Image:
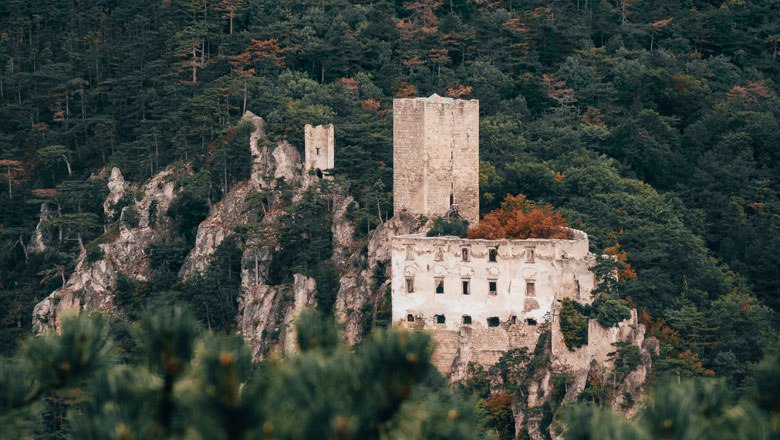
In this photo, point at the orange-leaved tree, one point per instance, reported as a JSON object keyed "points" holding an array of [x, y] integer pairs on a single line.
{"points": [[519, 218]]}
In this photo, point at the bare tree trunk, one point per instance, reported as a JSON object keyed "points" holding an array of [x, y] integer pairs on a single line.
{"points": [[194, 66], [67, 163], [24, 248], [10, 187], [82, 249], [244, 109], [623, 12]]}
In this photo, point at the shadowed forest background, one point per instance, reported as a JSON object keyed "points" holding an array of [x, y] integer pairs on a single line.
{"points": [[654, 126]]}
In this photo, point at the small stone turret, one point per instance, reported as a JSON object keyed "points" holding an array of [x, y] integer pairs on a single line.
{"points": [[319, 149]]}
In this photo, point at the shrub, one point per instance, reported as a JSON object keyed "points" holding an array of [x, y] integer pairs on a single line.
{"points": [[449, 227], [609, 312], [518, 218], [574, 325]]}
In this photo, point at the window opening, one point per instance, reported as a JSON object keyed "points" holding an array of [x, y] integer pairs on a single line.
{"points": [[409, 284], [513, 319], [493, 321], [464, 253], [466, 287], [530, 321], [439, 285], [439, 319], [530, 288], [409, 252], [529, 255], [466, 320], [492, 287], [452, 199], [318, 150], [492, 255], [438, 254], [410, 318]]}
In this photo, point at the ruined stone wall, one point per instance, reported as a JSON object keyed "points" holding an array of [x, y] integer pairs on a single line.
{"points": [[456, 348], [436, 155], [319, 148], [529, 277]]}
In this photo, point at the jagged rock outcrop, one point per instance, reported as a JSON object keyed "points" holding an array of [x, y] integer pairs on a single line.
{"points": [[343, 231], [116, 190], [39, 237], [594, 361], [221, 222], [270, 164], [356, 283], [267, 313], [91, 285]]}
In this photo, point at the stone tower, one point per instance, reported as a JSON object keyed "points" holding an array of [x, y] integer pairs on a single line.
{"points": [[319, 148], [436, 156]]}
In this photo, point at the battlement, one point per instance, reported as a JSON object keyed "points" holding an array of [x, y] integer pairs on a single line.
{"points": [[436, 156]]}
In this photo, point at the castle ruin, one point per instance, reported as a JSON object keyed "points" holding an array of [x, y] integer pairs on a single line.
{"points": [[319, 149], [478, 298], [436, 156]]}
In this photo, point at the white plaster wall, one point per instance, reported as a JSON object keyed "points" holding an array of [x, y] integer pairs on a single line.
{"points": [[559, 267]]}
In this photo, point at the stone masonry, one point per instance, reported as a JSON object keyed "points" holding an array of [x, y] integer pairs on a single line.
{"points": [[319, 148], [480, 298], [436, 156]]}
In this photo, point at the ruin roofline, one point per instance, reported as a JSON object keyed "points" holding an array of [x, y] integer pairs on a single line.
{"points": [[577, 235], [436, 98]]}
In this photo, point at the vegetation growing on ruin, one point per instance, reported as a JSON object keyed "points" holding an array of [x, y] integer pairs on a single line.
{"points": [[448, 226], [518, 218], [574, 324]]}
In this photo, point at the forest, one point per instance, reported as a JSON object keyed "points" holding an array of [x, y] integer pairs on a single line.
{"points": [[654, 126]]}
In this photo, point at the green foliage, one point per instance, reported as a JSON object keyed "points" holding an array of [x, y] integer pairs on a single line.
{"points": [[191, 206], [609, 312], [195, 383], [477, 382], [600, 111], [213, 294], [690, 408], [94, 251], [448, 226], [304, 239], [574, 324], [626, 358], [130, 217]]}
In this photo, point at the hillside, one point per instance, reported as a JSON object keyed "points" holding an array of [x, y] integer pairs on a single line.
{"points": [[136, 174]]}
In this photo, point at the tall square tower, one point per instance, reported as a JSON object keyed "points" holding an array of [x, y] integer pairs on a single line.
{"points": [[436, 156]]}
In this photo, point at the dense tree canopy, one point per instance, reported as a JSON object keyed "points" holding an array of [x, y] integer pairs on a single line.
{"points": [[651, 125]]}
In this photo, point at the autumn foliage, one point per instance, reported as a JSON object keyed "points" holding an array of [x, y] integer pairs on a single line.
{"points": [[519, 218], [626, 272]]}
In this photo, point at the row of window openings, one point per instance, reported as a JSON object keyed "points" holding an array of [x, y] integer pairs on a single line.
{"points": [[530, 288], [466, 320], [464, 252]]}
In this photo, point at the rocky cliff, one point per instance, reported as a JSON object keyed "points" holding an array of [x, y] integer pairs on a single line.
{"points": [[91, 285]]}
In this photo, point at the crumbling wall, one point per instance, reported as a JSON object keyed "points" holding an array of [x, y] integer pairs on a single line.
{"points": [[529, 277], [319, 150]]}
